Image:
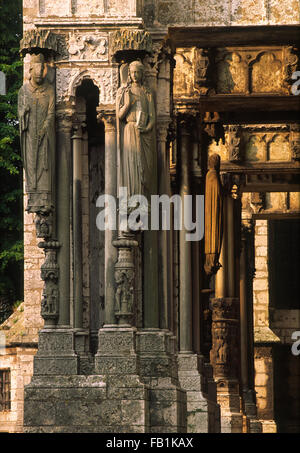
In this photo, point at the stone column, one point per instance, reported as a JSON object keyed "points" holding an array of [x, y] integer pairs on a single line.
{"points": [[64, 127], [225, 329], [185, 252], [220, 281], [163, 235], [77, 225], [110, 259], [56, 354], [200, 410], [249, 405]]}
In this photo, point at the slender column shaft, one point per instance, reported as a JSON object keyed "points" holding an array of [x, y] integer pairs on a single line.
{"points": [[230, 246], [243, 316], [77, 227], [220, 283], [185, 252], [110, 254], [163, 235], [63, 214]]}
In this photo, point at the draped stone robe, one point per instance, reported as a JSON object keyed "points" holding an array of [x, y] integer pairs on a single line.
{"points": [[136, 149], [36, 109], [213, 220]]}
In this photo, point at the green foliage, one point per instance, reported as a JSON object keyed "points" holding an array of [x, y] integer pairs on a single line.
{"points": [[11, 175]]}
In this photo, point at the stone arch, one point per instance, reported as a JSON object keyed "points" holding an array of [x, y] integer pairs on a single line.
{"points": [[77, 80]]}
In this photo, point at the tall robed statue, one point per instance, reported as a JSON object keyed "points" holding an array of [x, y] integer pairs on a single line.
{"points": [[136, 119], [36, 110], [213, 215]]}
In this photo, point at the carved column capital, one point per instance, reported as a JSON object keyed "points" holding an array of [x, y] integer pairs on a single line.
{"points": [[108, 117], [186, 121], [162, 129], [64, 120]]}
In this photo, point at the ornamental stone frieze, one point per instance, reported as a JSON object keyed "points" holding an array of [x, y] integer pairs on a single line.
{"points": [[237, 71], [126, 39]]}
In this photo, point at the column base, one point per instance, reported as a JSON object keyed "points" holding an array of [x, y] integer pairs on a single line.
{"points": [[202, 408], [158, 369], [56, 355], [230, 403], [127, 395]]}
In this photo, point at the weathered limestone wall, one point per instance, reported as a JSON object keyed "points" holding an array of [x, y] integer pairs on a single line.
{"points": [[161, 13], [20, 363], [220, 12], [272, 327]]}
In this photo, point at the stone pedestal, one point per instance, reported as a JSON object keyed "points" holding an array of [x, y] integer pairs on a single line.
{"points": [[67, 404], [117, 360], [203, 413], [158, 369], [56, 354], [224, 358]]}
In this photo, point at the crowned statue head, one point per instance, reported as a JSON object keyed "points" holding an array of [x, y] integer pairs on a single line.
{"points": [[37, 67]]}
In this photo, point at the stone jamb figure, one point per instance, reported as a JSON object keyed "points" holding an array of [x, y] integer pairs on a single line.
{"points": [[136, 119], [213, 215], [36, 110]]}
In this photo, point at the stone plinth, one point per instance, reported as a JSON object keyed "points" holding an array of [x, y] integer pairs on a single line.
{"points": [[203, 413], [158, 369], [56, 354], [117, 360], [68, 404]]}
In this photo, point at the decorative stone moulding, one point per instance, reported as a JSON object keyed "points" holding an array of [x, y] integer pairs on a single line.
{"points": [[137, 42], [38, 41]]}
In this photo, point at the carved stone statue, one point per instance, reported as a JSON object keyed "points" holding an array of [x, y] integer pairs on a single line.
{"points": [[136, 119], [213, 215], [36, 110]]}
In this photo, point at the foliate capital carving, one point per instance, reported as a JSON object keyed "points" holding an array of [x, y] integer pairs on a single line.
{"points": [[39, 40], [126, 39], [108, 117]]}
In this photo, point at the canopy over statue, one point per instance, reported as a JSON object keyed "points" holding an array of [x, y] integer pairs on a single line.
{"points": [[36, 110]]}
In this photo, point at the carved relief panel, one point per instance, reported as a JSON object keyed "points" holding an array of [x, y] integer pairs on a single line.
{"points": [[183, 82], [255, 70], [92, 47]]}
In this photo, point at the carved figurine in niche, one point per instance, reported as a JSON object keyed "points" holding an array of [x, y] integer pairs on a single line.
{"points": [[213, 215], [136, 120], [124, 291], [267, 76], [233, 144], [232, 74], [36, 110]]}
